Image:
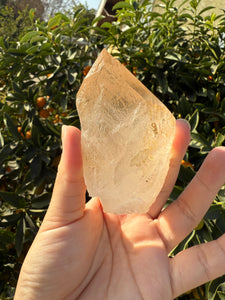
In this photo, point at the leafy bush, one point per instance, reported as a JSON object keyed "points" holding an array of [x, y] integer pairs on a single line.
{"points": [[178, 53], [40, 75], [13, 24]]}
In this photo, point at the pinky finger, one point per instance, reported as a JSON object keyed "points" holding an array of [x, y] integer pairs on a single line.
{"points": [[197, 265]]}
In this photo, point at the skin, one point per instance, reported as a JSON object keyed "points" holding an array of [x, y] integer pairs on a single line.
{"points": [[80, 252]]}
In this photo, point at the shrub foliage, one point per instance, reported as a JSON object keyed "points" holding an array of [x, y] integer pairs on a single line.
{"points": [[178, 53]]}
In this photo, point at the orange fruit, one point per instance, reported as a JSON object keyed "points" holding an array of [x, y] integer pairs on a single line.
{"points": [[19, 129], [210, 78], [135, 71], [86, 70], [41, 101], [50, 109], [10, 246], [57, 119], [28, 134], [44, 113], [187, 164], [8, 169]]}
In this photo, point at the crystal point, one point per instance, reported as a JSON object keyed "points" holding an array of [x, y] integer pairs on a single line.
{"points": [[126, 136]]}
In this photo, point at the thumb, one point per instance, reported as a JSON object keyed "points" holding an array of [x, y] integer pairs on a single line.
{"points": [[68, 199]]}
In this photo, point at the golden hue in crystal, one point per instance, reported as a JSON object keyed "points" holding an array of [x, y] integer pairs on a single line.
{"points": [[126, 135]]}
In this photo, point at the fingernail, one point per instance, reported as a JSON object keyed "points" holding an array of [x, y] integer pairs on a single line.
{"points": [[185, 121], [63, 133]]}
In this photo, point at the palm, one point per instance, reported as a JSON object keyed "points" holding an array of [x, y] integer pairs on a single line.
{"points": [[82, 253], [116, 258]]}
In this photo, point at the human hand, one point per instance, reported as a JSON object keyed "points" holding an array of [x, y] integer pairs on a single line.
{"points": [[80, 252]]}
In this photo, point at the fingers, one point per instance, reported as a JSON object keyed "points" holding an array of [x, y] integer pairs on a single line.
{"points": [[180, 144], [179, 218], [197, 265], [68, 199]]}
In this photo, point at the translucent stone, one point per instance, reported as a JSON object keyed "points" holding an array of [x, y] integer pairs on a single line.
{"points": [[126, 136]]}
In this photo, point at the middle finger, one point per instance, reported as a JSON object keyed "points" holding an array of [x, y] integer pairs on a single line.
{"points": [[179, 218]]}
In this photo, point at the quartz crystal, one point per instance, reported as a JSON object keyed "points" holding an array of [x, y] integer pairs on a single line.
{"points": [[126, 137]]}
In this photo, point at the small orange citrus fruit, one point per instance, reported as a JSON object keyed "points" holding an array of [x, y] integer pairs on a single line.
{"points": [[28, 134], [187, 164], [44, 113], [86, 70], [41, 101]]}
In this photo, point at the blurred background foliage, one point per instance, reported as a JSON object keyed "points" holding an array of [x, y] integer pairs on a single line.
{"points": [[178, 53]]}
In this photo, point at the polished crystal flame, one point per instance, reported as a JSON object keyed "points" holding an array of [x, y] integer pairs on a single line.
{"points": [[126, 136]]}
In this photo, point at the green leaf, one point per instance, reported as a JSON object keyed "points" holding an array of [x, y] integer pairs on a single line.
{"points": [[53, 129], [219, 140], [13, 199], [29, 35], [206, 9], [106, 25], [123, 4], [31, 224], [186, 174], [223, 106], [71, 76], [6, 237], [162, 81], [135, 5], [221, 295], [46, 47], [16, 87], [20, 236], [2, 43], [173, 56], [32, 14], [198, 141], [9, 220], [41, 201], [187, 15], [194, 120], [54, 22], [37, 38], [11, 126], [1, 140], [184, 106], [7, 150], [35, 135], [191, 236], [63, 17], [45, 158], [213, 286], [78, 12], [96, 20], [36, 167], [16, 52], [213, 213], [33, 49]]}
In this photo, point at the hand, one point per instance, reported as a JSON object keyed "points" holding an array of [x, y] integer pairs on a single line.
{"points": [[80, 252]]}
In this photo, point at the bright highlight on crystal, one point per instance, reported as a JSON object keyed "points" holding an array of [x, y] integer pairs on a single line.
{"points": [[127, 135]]}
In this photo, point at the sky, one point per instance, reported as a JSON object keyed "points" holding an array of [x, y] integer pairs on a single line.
{"points": [[91, 3]]}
